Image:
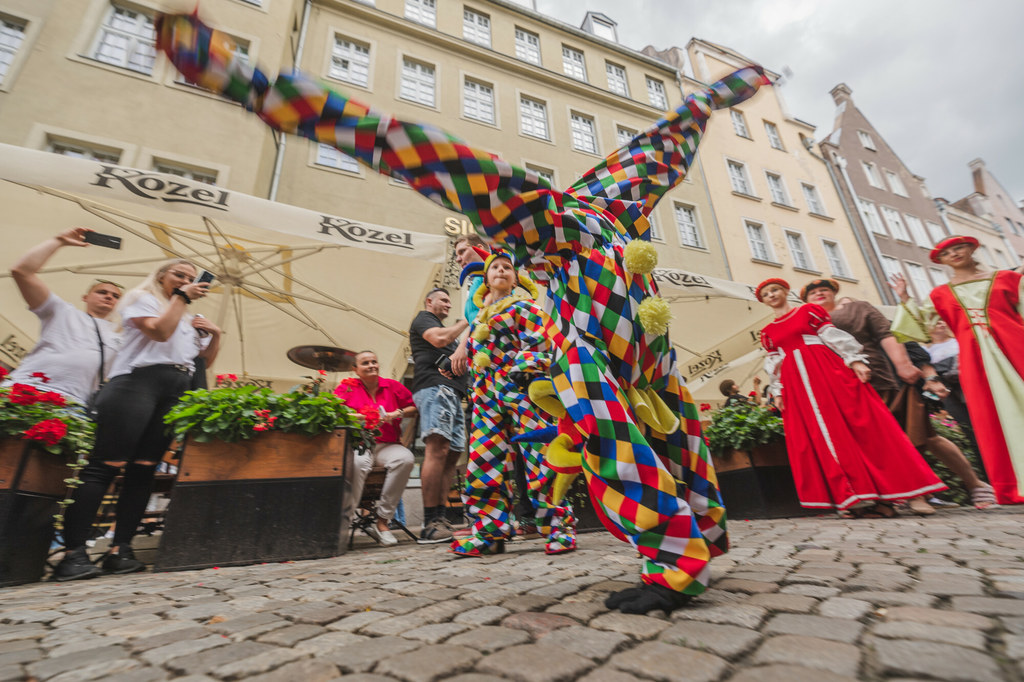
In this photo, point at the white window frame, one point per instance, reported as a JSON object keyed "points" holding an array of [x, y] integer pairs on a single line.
{"points": [[872, 174], [206, 175], [812, 198], [774, 139], [891, 266], [739, 123], [623, 135], [740, 181], [542, 171], [751, 227], [655, 231], [872, 220], [574, 63], [332, 157], [138, 43], [777, 191], [986, 256], [583, 129], [935, 231], [656, 93], [801, 253], [688, 226], [12, 37], [527, 46], [617, 82], [917, 230], [895, 184], [894, 221], [350, 61], [478, 101], [608, 30], [835, 258], [418, 79], [938, 276], [422, 12], [84, 150], [1001, 257], [528, 117], [866, 140], [476, 27], [918, 279]]}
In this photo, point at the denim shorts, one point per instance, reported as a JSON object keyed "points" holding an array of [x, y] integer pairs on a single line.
{"points": [[441, 413]]}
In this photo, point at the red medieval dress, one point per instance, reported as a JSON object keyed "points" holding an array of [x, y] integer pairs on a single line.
{"points": [[844, 445], [985, 315]]}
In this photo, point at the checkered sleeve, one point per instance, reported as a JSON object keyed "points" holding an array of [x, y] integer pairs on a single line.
{"points": [[534, 353]]}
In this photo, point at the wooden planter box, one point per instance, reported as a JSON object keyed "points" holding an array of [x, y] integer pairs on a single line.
{"points": [[277, 497], [758, 484], [31, 484]]}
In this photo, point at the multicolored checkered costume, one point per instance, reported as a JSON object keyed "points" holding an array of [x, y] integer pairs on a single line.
{"points": [[659, 491], [509, 337]]}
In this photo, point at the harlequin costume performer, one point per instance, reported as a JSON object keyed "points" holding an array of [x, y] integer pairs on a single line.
{"points": [[984, 312], [508, 345], [615, 370], [846, 450]]}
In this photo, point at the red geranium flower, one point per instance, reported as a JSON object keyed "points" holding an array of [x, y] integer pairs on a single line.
{"points": [[40, 375], [53, 398], [48, 431], [23, 394], [752, 394], [3, 373], [371, 417], [233, 377], [323, 372], [260, 427], [704, 407]]}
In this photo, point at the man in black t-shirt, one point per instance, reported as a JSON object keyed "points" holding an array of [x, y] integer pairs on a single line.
{"points": [[439, 400]]}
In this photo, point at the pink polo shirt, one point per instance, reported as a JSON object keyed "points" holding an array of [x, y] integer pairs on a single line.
{"points": [[391, 395]]}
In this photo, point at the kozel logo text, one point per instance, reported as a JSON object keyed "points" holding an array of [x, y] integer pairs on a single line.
{"points": [[152, 186], [363, 234]]}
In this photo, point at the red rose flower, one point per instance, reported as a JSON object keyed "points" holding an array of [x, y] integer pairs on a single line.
{"points": [[48, 431]]}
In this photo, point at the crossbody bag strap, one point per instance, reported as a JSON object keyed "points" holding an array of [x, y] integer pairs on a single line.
{"points": [[103, 362]]}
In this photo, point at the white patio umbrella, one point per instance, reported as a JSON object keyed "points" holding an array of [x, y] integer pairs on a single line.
{"points": [[286, 276]]}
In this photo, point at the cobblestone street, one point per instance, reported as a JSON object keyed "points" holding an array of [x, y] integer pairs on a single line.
{"points": [[813, 599]]}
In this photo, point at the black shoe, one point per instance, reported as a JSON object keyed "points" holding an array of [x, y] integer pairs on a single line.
{"points": [[123, 562], [648, 597], [75, 566]]}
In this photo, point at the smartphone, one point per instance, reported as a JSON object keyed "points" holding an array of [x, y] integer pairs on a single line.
{"points": [[205, 277], [107, 241]]}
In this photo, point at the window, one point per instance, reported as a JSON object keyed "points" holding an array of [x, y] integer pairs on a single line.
{"points": [[836, 260], [572, 63], [584, 138], [686, 221], [207, 176], [891, 266], [533, 118], [417, 82], [773, 135], [917, 231], [476, 27], [895, 184], [935, 231], [655, 231], [739, 124], [545, 173], [623, 136], [758, 240], [1013, 230], [478, 101], [865, 140], [127, 39], [986, 256], [82, 151], [656, 93], [350, 62], [814, 204], [11, 36], [422, 11], [527, 46], [738, 178], [326, 155], [871, 219], [871, 171], [617, 79], [777, 189], [603, 29], [1003, 261], [798, 250], [920, 281], [895, 223], [938, 276]]}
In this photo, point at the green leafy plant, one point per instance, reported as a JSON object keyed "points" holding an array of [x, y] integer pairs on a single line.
{"points": [[948, 428], [742, 426], [231, 414]]}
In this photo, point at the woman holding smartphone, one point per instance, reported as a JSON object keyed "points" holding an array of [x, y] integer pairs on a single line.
{"points": [[153, 368]]}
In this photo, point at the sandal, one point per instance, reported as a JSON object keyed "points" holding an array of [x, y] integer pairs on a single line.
{"points": [[920, 506], [984, 497]]}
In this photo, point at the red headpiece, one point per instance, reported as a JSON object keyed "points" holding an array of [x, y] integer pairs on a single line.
{"points": [[951, 241], [772, 280]]}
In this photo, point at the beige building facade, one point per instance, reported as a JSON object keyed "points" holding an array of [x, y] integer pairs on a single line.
{"points": [[991, 202]]}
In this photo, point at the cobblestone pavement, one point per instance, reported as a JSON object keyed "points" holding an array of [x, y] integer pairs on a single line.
{"points": [[813, 599]]}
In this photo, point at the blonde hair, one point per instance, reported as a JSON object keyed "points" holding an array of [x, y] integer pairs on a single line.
{"points": [[151, 285]]}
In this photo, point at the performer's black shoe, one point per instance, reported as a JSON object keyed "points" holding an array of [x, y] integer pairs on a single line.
{"points": [[647, 598]]}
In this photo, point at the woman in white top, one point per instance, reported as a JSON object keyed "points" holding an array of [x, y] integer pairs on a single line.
{"points": [[153, 368]]}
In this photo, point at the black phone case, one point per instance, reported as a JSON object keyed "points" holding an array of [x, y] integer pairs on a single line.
{"points": [[105, 240]]}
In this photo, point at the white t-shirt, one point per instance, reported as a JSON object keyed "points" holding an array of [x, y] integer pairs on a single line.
{"points": [[138, 350], [68, 352], [943, 349]]}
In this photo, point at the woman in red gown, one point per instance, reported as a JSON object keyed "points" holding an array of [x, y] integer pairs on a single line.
{"points": [[846, 449]]}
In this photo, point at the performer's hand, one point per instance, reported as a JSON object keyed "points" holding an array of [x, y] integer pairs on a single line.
{"points": [[909, 374], [937, 387], [778, 404], [73, 237], [459, 361], [862, 371], [899, 286]]}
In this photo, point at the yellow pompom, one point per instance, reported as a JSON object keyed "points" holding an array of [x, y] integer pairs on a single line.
{"points": [[481, 361], [654, 315], [481, 331], [640, 257]]}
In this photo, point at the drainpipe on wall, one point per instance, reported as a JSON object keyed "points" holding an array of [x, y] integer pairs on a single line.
{"points": [[880, 281], [275, 178]]}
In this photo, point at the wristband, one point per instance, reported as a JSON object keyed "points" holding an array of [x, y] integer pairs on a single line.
{"points": [[184, 296], [934, 377]]}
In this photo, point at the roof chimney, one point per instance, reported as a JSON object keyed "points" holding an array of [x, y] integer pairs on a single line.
{"points": [[841, 93]]}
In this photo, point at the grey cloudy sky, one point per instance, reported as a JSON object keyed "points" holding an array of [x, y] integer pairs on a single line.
{"points": [[941, 80]]}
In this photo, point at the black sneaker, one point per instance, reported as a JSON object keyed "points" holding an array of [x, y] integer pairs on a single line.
{"points": [[434, 532], [75, 566], [123, 562]]}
